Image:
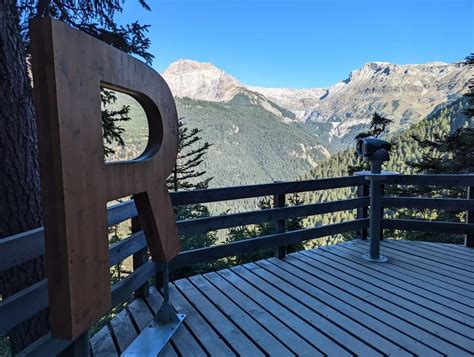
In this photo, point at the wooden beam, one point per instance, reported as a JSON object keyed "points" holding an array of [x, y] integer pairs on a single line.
{"points": [[448, 204], [428, 226], [239, 192], [241, 219], [201, 255], [435, 180]]}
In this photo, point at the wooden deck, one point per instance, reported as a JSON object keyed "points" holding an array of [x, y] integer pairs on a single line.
{"points": [[322, 302]]}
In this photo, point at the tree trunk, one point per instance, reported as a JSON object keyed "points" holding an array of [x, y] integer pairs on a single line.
{"points": [[19, 178]]}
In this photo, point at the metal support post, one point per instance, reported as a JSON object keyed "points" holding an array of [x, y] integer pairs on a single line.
{"points": [[376, 177]]}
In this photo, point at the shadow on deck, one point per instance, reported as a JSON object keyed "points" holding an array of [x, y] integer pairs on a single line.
{"points": [[319, 302]]}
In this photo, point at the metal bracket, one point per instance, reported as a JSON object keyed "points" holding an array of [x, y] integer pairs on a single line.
{"points": [[156, 335], [381, 258]]}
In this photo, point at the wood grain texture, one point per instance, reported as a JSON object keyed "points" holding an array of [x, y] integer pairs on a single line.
{"points": [[69, 69]]}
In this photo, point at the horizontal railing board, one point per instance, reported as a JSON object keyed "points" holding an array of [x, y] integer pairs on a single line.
{"points": [[449, 204], [121, 212], [27, 302], [241, 192], [45, 346], [200, 255], [21, 306], [127, 247], [241, 219], [428, 226], [122, 290], [26, 246], [21, 248], [435, 180]]}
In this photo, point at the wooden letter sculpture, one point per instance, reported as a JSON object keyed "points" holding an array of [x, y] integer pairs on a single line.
{"points": [[69, 68]]}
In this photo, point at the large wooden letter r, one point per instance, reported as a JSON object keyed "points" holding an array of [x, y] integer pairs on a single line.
{"points": [[69, 69]]}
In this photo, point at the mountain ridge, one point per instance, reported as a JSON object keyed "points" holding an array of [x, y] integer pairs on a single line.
{"points": [[406, 93]]}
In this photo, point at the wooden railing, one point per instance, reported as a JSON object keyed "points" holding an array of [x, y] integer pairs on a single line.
{"points": [[26, 246], [447, 204]]}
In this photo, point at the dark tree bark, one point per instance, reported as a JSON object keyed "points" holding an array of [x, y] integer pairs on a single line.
{"points": [[19, 178]]}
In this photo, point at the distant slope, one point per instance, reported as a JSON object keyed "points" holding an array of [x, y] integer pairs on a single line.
{"points": [[250, 144]]}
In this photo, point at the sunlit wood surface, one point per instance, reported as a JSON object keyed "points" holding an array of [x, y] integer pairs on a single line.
{"points": [[321, 302]]}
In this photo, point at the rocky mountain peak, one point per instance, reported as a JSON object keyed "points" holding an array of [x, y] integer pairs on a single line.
{"points": [[200, 80]]}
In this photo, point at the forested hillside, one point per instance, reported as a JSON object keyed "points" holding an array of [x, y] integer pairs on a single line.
{"points": [[250, 145], [441, 122]]}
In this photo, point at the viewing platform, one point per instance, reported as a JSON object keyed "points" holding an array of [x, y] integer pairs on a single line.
{"points": [[326, 301]]}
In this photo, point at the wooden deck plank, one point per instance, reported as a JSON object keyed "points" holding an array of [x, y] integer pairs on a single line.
{"points": [[326, 342], [123, 330], [232, 334], [260, 336], [455, 300], [140, 313], [456, 271], [407, 322], [182, 340], [102, 344], [410, 302], [395, 304], [282, 332], [305, 330], [444, 249], [454, 264], [328, 318], [349, 320], [405, 266], [323, 302], [168, 351], [399, 296], [455, 248], [380, 275], [393, 328], [211, 341], [186, 344], [428, 266]]}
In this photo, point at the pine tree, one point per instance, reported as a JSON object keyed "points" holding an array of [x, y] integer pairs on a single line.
{"points": [[187, 175], [378, 128], [19, 177]]}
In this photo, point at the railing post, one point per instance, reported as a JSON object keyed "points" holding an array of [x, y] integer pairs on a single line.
{"points": [[363, 212], [78, 348], [376, 178], [382, 193], [139, 258], [279, 224], [469, 238]]}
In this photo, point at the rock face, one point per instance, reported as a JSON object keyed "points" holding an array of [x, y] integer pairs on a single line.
{"points": [[201, 81], [404, 93]]}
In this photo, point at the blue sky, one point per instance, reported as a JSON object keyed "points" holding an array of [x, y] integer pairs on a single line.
{"points": [[303, 43]]}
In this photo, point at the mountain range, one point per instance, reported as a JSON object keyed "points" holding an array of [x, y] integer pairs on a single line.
{"points": [[404, 93], [266, 134]]}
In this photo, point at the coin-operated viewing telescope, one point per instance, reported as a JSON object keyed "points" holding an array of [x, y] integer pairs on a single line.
{"points": [[374, 151]]}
